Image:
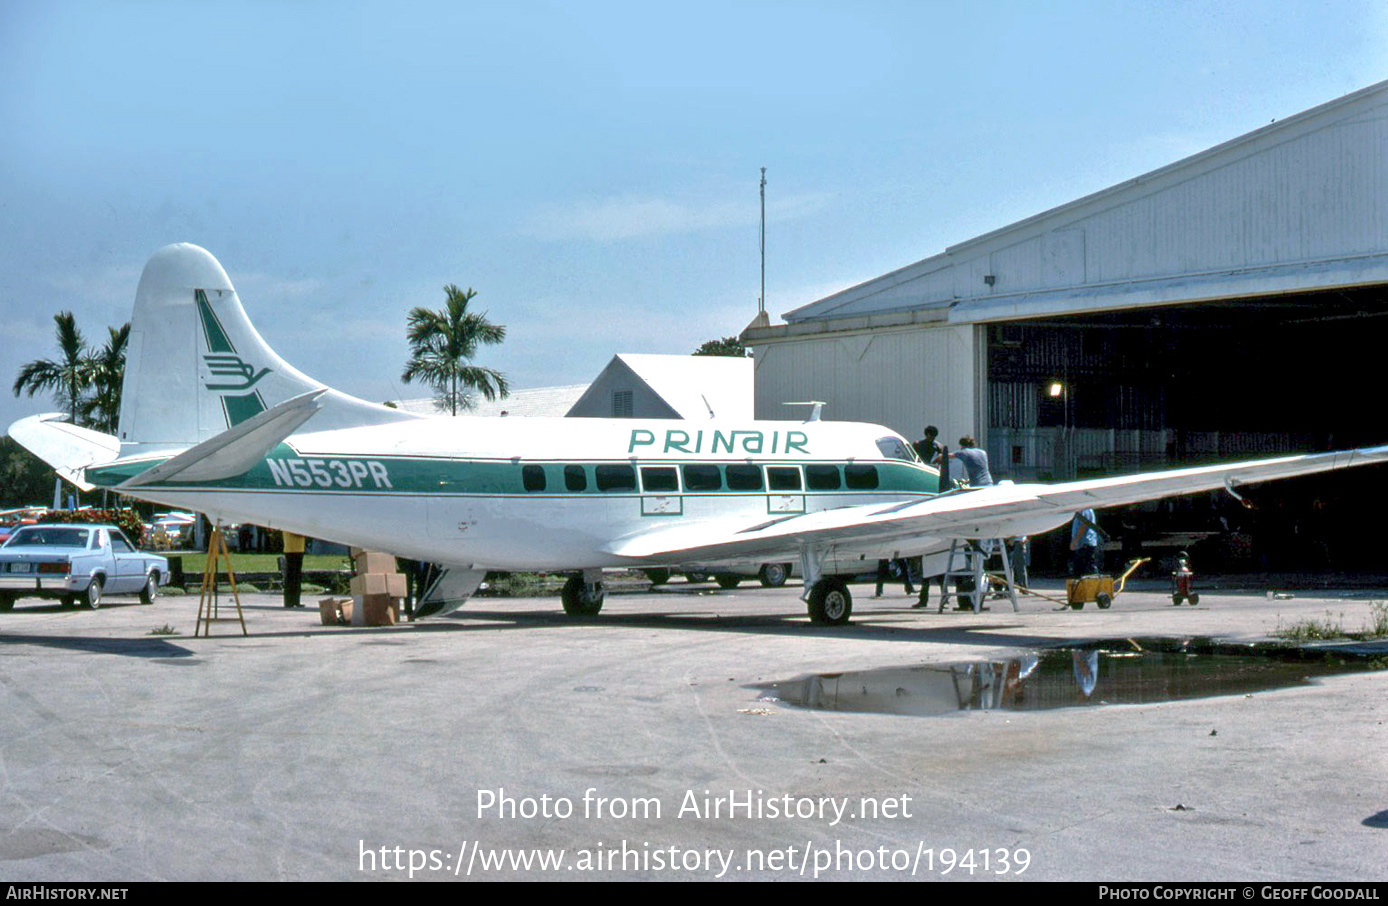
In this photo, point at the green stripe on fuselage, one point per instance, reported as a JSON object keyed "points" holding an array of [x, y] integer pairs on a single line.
{"points": [[287, 470]]}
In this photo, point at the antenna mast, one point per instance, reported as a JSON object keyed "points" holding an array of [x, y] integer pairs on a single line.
{"points": [[761, 300]]}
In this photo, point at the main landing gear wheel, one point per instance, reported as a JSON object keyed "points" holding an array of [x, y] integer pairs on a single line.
{"points": [[773, 575], [658, 576], [830, 604], [728, 582], [581, 599]]}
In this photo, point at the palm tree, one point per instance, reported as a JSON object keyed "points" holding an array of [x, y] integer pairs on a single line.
{"points": [[67, 377], [107, 373], [442, 345]]}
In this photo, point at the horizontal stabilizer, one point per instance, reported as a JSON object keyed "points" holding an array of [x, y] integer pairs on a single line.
{"points": [[236, 450], [68, 448]]}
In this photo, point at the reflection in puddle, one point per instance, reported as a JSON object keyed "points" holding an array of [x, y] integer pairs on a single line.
{"points": [[1127, 672]]}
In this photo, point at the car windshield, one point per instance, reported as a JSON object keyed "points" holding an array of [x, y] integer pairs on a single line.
{"points": [[49, 537]]}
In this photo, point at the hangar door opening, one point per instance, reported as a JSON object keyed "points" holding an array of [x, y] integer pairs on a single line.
{"points": [[1142, 389]]}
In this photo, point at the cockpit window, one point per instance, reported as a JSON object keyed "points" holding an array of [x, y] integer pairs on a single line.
{"points": [[896, 448]]}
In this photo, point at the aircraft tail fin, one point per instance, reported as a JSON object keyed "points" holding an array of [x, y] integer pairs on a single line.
{"points": [[196, 366]]}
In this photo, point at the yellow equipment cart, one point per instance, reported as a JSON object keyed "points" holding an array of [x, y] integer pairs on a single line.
{"points": [[1099, 589]]}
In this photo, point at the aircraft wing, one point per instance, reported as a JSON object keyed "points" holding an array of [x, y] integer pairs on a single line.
{"points": [[1002, 510]]}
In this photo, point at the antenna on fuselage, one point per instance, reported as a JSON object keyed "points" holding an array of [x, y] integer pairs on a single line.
{"points": [[814, 413]]}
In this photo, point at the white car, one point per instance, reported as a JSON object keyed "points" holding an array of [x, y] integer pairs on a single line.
{"points": [[65, 561]]}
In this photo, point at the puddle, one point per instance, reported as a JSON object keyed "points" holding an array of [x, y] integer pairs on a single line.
{"points": [[1122, 672]]}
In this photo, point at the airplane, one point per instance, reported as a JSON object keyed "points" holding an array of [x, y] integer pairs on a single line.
{"points": [[213, 420]]}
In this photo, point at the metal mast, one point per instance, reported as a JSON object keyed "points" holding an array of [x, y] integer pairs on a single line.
{"points": [[761, 300]]}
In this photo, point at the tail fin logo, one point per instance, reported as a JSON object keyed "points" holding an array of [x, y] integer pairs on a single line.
{"points": [[231, 366], [224, 364]]}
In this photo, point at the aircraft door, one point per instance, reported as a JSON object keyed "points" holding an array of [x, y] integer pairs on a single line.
{"points": [[785, 490], [660, 491]]}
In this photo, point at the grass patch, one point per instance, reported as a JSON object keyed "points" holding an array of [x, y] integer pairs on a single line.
{"points": [[194, 562], [523, 585], [166, 629], [1332, 627]]}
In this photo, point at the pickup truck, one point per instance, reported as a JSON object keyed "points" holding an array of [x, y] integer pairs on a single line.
{"points": [[67, 561]]}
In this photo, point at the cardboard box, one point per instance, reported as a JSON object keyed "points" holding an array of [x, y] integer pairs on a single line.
{"points": [[373, 562], [380, 610], [392, 584], [330, 611]]}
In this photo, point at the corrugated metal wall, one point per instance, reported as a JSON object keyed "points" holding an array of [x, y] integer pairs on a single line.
{"points": [[903, 379], [1310, 190]]}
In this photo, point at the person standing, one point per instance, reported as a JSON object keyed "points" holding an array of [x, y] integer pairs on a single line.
{"points": [[293, 569], [1086, 557], [975, 462], [928, 448], [885, 572]]}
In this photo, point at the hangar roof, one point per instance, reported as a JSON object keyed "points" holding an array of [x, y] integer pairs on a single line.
{"points": [[1298, 205], [688, 384]]}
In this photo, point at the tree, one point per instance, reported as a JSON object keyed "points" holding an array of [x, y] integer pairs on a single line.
{"points": [[727, 346], [68, 376], [442, 346], [106, 371], [24, 479]]}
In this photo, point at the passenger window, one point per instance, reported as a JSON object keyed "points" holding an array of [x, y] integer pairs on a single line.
{"points": [[118, 543], [702, 478], [783, 478], [575, 478], [822, 478], [744, 478], [860, 478], [659, 478], [533, 477], [616, 478]]}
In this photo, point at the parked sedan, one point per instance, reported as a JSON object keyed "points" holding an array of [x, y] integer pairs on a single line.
{"points": [[68, 561]]}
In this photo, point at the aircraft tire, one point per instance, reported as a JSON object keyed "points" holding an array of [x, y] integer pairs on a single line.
{"points": [[773, 575], [830, 603], [658, 576], [579, 601]]}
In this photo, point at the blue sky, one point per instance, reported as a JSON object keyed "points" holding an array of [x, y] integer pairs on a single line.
{"points": [[590, 169]]}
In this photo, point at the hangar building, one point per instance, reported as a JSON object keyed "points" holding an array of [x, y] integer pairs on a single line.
{"points": [[1230, 305]]}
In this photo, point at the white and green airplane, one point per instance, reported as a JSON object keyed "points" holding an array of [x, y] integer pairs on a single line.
{"points": [[213, 420]]}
